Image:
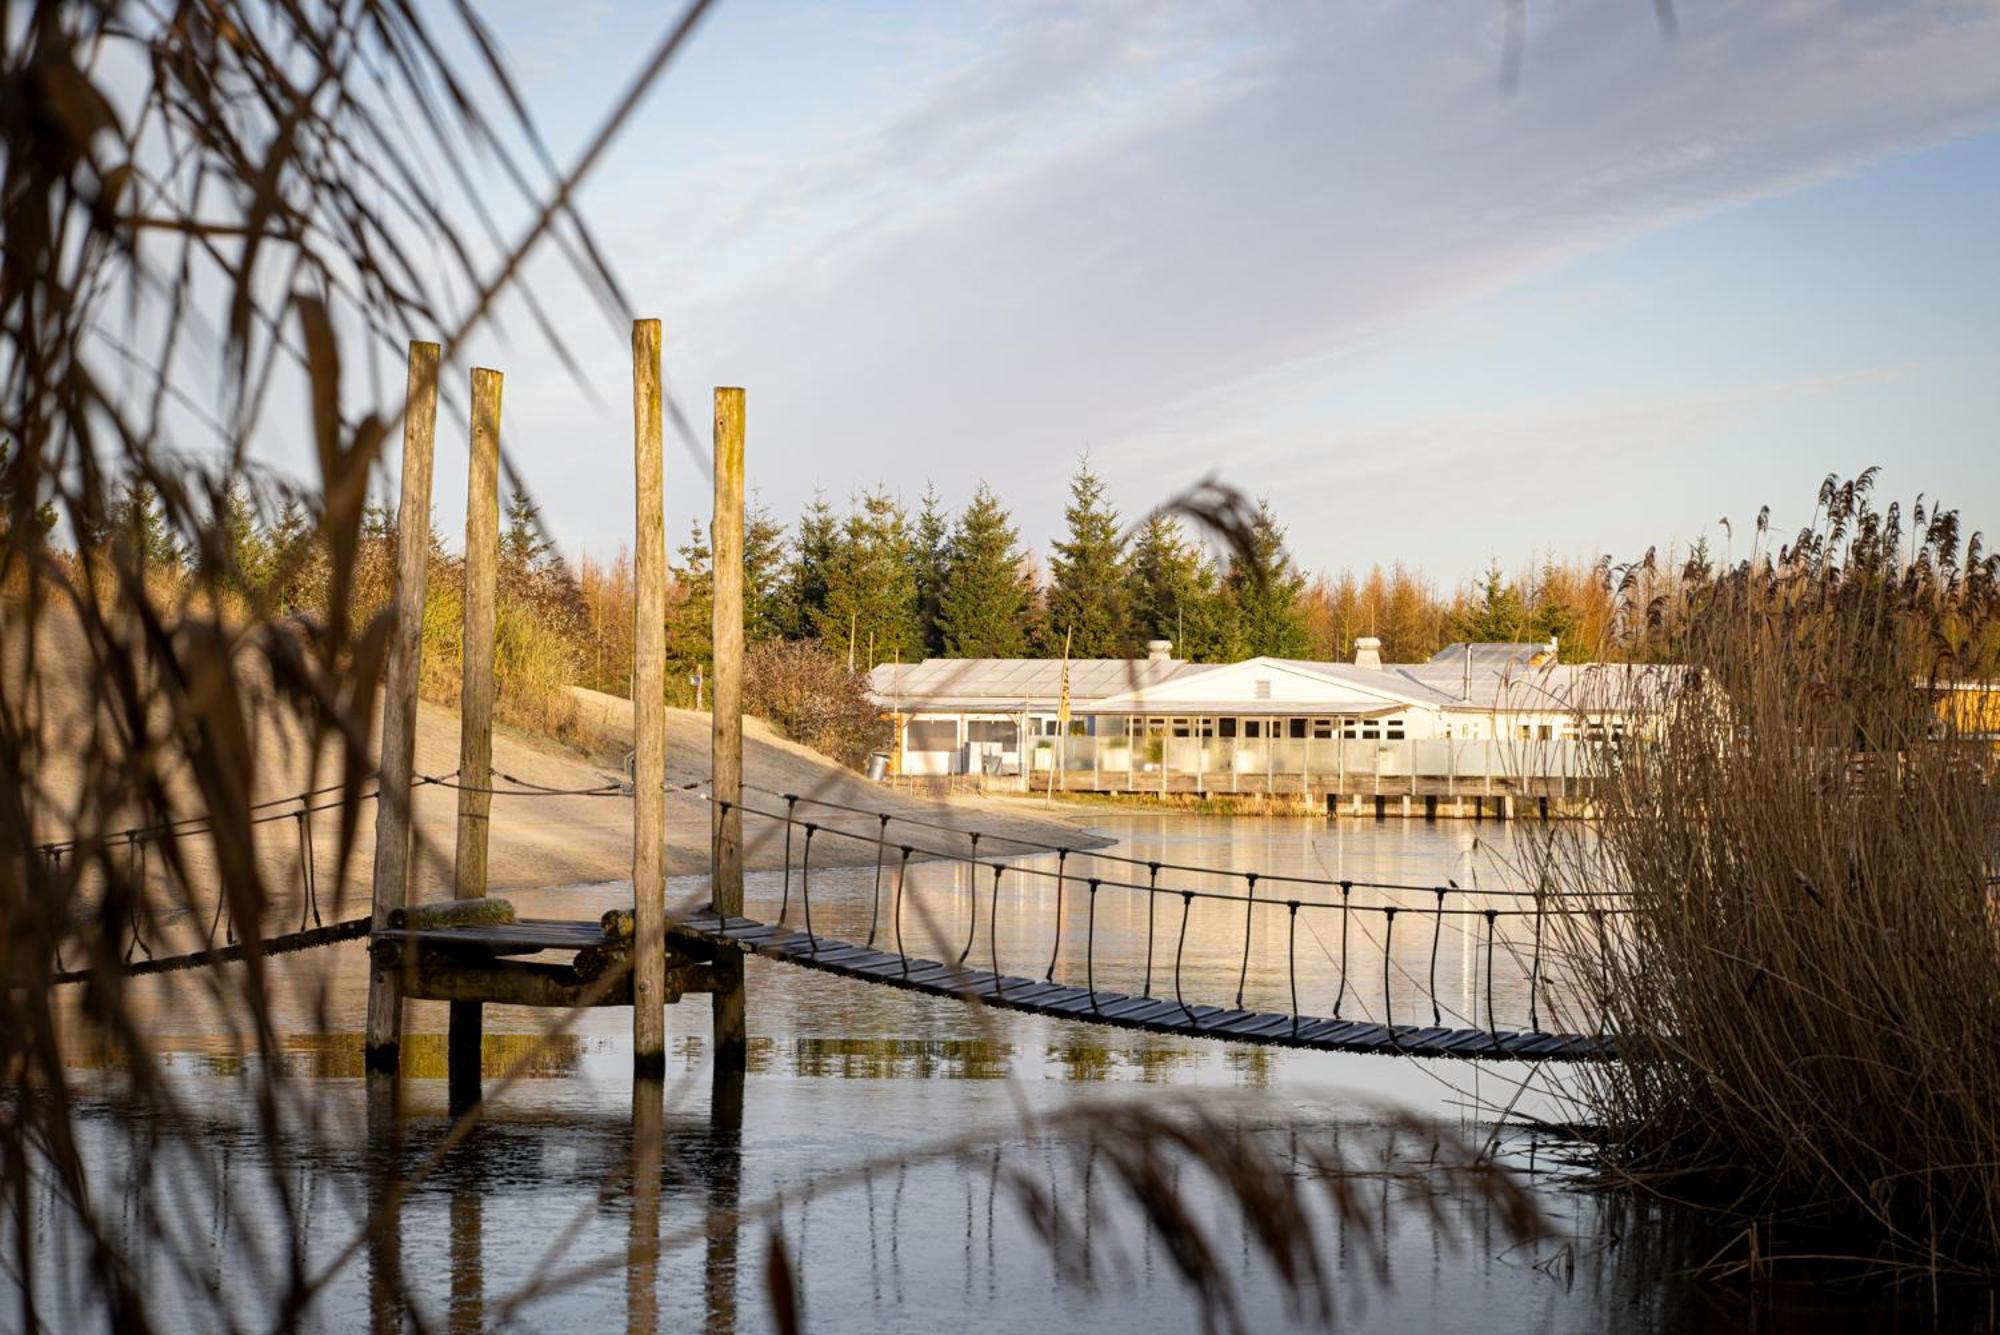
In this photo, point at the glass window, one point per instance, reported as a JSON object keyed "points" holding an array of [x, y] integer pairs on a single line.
{"points": [[1225, 727], [1393, 728], [1322, 727], [931, 734], [1298, 728], [992, 730], [1253, 727], [1180, 727]]}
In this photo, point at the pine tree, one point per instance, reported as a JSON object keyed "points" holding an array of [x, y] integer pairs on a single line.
{"points": [[690, 616], [138, 521], [932, 553], [1496, 614], [871, 587], [813, 550], [1173, 593], [524, 549], [1265, 588], [291, 547], [764, 594], [984, 608], [247, 547], [1087, 586]]}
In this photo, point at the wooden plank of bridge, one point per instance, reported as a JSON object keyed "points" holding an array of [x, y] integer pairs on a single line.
{"points": [[725, 811], [390, 888], [649, 712], [475, 716]]}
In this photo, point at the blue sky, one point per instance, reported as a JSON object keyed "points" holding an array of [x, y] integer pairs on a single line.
{"points": [[1315, 250]]}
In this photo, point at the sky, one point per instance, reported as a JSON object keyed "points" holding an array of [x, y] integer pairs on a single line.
{"points": [[1317, 251]]}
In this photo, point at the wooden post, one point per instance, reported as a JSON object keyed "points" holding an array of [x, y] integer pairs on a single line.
{"points": [[475, 706], [649, 713], [726, 825], [399, 699]]}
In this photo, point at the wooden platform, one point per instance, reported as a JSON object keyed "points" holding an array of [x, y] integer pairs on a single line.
{"points": [[1151, 1013]]}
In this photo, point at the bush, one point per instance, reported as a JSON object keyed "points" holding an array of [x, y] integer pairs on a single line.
{"points": [[803, 690]]}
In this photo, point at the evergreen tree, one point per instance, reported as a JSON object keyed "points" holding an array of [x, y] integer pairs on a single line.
{"points": [[764, 600], [524, 548], [137, 519], [1173, 594], [871, 587], [813, 549], [1497, 614], [932, 553], [690, 616], [247, 547], [1087, 587], [291, 553], [1266, 590], [984, 609]]}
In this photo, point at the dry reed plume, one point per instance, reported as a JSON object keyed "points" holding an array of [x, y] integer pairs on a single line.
{"points": [[1807, 986]]}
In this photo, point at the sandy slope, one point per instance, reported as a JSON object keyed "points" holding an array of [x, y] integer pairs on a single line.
{"points": [[539, 840]]}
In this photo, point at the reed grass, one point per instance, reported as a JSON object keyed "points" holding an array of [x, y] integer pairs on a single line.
{"points": [[1806, 990]]}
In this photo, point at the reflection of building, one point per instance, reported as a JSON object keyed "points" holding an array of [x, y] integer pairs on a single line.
{"points": [[1474, 719]]}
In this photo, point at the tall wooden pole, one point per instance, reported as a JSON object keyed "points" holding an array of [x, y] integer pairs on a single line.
{"points": [[399, 700], [475, 705], [649, 714], [726, 813]]}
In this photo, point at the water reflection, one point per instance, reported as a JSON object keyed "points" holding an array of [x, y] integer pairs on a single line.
{"points": [[578, 1197]]}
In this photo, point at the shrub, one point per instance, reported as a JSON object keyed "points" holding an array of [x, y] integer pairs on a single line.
{"points": [[809, 696]]}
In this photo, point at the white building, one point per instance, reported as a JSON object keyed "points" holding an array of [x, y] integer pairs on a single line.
{"points": [[1499, 717]]}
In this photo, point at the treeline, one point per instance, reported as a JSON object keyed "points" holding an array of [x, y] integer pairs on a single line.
{"points": [[876, 583]]}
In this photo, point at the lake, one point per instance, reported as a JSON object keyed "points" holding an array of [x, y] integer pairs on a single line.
{"points": [[888, 1137]]}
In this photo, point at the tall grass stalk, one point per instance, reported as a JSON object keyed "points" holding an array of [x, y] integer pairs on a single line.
{"points": [[1806, 989]]}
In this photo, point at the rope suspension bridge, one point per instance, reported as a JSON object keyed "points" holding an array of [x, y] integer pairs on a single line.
{"points": [[470, 950], [974, 973]]}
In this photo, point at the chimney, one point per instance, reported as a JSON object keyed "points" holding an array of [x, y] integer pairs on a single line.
{"points": [[1159, 651], [1368, 652]]}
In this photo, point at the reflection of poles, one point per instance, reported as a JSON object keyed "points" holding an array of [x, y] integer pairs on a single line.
{"points": [[642, 1245], [383, 1167], [475, 716], [468, 1267], [725, 1191]]}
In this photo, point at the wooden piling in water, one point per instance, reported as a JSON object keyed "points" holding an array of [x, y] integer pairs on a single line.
{"points": [[475, 705], [649, 738], [726, 733], [399, 704]]}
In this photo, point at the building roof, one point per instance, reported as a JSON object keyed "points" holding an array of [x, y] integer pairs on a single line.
{"points": [[1005, 685], [1499, 653], [1504, 681]]}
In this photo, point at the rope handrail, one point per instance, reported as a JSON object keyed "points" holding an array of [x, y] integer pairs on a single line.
{"points": [[1045, 847], [1061, 874]]}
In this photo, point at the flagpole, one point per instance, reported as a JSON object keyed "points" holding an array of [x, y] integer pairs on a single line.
{"points": [[1062, 723]]}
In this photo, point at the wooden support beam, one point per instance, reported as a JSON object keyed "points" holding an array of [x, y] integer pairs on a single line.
{"points": [[449, 976], [399, 701], [475, 706], [649, 711], [726, 813]]}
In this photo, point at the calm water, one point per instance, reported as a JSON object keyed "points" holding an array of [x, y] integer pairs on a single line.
{"points": [[847, 1079]]}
